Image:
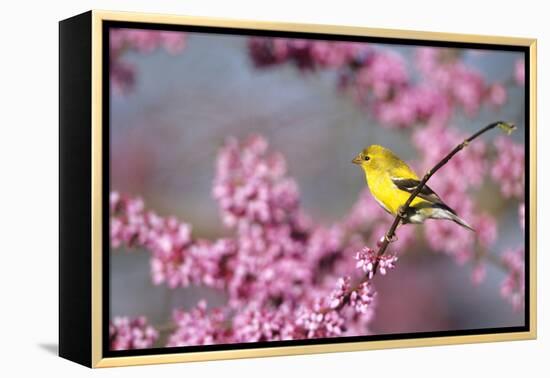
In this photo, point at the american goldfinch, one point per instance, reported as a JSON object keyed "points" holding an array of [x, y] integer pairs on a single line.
{"points": [[391, 181]]}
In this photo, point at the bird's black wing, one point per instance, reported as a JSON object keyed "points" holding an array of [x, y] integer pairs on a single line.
{"points": [[409, 185]]}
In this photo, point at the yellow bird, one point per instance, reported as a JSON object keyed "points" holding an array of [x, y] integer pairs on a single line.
{"points": [[391, 181]]}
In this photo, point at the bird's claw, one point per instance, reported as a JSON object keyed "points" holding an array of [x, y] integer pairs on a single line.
{"points": [[387, 239]]}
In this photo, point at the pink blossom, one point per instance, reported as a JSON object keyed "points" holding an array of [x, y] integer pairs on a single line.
{"points": [[521, 215], [519, 72], [337, 54], [363, 299], [508, 169], [176, 259], [316, 324], [411, 105], [461, 84], [143, 42], [486, 230], [123, 76], [173, 42], [464, 169], [497, 94], [384, 73], [479, 273], [467, 88], [251, 186], [199, 327], [427, 59], [338, 296], [367, 259], [513, 286], [267, 52], [259, 324], [305, 54], [126, 333], [146, 41], [447, 237]]}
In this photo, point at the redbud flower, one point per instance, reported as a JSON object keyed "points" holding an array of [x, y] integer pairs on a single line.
{"points": [[366, 261], [126, 333], [363, 298], [513, 286], [259, 324], [315, 324], [486, 230], [521, 214], [519, 72], [497, 95], [198, 327], [338, 295], [479, 273], [508, 169], [142, 41]]}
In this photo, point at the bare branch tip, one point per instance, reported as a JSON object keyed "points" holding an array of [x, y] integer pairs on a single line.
{"points": [[507, 127]]}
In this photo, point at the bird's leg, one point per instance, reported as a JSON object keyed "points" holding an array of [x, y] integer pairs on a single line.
{"points": [[401, 213], [388, 239], [394, 238]]}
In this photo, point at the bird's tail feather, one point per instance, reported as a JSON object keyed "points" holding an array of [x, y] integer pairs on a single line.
{"points": [[443, 211], [455, 218]]}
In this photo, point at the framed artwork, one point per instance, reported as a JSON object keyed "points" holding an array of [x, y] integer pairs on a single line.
{"points": [[234, 189]]}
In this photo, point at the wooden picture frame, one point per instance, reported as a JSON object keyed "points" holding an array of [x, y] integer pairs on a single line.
{"points": [[85, 90]]}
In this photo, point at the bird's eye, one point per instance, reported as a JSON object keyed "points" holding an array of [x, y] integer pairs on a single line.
{"points": [[366, 158]]}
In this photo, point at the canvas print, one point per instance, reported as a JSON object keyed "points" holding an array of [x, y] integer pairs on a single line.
{"points": [[270, 189]]}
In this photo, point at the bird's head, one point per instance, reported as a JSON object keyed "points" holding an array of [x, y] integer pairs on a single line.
{"points": [[372, 156]]}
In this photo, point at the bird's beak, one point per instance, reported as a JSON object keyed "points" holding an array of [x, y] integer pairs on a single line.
{"points": [[357, 159]]}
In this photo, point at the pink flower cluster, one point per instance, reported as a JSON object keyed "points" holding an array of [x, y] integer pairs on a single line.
{"points": [[513, 286], [122, 73], [251, 186], [176, 259], [277, 268], [126, 333], [199, 327], [304, 322], [361, 299], [509, 168], [463, 85], [519, 72], [379, 80], [367, 259], [521, 214], [253, 323], [305, 54]]}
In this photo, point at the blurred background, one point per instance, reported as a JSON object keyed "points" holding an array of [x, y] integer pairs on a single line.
{"points": [[166, 131]]}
